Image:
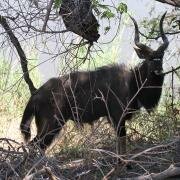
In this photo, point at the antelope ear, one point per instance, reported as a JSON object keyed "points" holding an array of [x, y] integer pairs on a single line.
{"points": [[142, 53], [139, 52]]}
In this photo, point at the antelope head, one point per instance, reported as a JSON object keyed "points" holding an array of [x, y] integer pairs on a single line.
{"points": [[154, 58]]}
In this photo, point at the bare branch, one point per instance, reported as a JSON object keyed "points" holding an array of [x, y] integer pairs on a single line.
{"points": [[46, 170], [23, 59], [171, 171], [172, 70], [157, 37], [175, 3], [47, 14]]}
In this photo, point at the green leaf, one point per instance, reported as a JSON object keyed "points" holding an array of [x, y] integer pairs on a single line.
{"points": [[57, 3], [122, 8], [107, 14]]}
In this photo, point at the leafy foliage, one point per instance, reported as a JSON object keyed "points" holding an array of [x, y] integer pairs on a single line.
{"points": [[122, 8], [154, 27]]}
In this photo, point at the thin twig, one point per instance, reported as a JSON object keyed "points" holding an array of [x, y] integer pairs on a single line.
{"points": [[172, 87], [47, 14], [158, 36], [170, 71]]}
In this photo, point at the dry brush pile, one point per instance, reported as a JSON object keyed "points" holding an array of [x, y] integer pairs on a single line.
{"points": [[91, 153]]}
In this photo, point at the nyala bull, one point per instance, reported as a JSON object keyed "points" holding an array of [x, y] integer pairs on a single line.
{"points": [[114, 91]]}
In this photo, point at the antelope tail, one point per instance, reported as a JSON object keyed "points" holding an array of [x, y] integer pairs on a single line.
{"points": [[27, 119]]}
